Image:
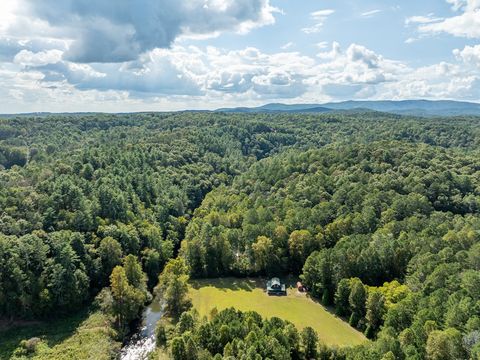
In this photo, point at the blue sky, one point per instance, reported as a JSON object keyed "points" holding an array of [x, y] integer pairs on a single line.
{"points": [[378, 25], [135, 55]]}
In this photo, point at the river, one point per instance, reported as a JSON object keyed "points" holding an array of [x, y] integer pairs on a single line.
{"points": [[142, 342]]}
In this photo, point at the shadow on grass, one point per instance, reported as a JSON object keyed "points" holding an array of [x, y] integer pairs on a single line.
{"points": [[230, 283], [246, 284], [52, 332], [249, 284], [329, 308]]}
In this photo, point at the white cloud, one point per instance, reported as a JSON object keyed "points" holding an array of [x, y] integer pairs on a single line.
{"points": [[420, 19], [320, 17], [160, 72], [279, 84], [361, 53], [7, 14], [260, 75], [321, 14], [28, 58], [370, 13], [322, 45], [209, 77], [457, 4], [99, 34], [287, 45], [332, 54], [214, 75], [469, 55], [356, 72], [253, 74], [439, 81], [467, 24]]}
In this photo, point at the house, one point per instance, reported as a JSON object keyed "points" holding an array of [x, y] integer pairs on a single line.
{"points": [[275, 287]]}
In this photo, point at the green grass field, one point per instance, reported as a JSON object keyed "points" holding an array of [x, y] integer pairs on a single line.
{"points": [[248, 294], [80, 336]]}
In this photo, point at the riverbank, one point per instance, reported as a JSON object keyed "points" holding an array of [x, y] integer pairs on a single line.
{"points": [[142, 342]]}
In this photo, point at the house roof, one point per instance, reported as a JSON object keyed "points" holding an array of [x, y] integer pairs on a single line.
{"points": [[275, 281]]}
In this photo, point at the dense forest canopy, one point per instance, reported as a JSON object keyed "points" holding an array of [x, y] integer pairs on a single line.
{"points": [[288, 206], [386, 232], [378, 214]]}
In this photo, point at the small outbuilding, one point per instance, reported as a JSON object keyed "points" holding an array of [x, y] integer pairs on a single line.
{"points": [[275, 287]]}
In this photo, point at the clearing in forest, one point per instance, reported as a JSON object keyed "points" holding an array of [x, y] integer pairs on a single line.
{"points": [[249, 294]]}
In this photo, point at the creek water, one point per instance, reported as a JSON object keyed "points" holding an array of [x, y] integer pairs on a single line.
{"points": [[142, 342]]}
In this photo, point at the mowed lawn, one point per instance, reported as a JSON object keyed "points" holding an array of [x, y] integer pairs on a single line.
{"points": [[249, 294]]}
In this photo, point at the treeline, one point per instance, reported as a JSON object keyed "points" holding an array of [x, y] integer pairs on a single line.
{"points": [[232, 334]]}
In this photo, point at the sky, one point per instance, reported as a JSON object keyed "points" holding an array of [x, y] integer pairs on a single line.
{"points": [[162, 55]]}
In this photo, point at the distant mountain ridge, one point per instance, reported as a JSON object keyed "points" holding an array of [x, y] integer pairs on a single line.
{"points": [[403, 107], [426, 108]]}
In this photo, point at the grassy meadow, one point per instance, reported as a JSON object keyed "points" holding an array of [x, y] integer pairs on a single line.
{"points": [[249, 294], [81, 336]]}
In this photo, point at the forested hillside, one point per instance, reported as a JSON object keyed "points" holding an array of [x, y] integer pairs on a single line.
{"points": [[387, 232], [290, 205], [378, 213]]}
